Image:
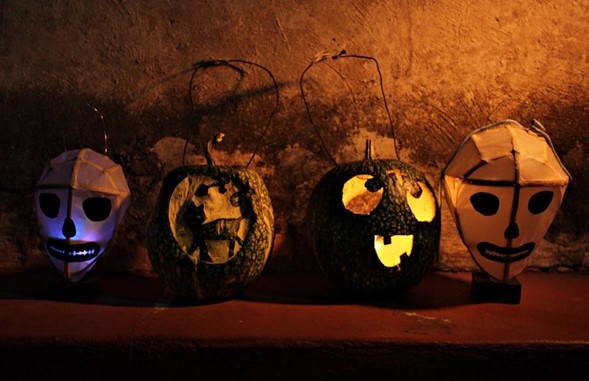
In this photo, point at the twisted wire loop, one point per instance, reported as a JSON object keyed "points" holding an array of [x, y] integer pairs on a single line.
{"points": [[233, 64], [321, 57]]}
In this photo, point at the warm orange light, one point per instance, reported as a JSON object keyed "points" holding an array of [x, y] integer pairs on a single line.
{"points": [[389, 253]]}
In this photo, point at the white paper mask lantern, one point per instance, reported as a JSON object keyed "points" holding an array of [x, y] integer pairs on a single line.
{"points": [[504, 186], [81, 197]]}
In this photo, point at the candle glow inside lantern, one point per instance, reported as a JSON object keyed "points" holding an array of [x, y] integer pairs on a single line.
{"points": [[80, 199], [504, 186], [373, 224]]}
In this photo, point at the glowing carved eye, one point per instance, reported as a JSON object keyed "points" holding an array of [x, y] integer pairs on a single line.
{"points": [[485, 203], [540, 201], [97, 208], [421, 201], [361, 194], [49, 204]]}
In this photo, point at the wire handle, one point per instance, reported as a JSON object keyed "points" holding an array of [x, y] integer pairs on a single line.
{"points": [[103, 127], [206, 64], [323, 56]]}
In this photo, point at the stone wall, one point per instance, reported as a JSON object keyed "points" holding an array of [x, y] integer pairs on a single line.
{"points": [[448, 67]]}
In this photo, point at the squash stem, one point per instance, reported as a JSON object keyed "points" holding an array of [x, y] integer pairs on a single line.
{"points": [[209, 147], [368, 152]]}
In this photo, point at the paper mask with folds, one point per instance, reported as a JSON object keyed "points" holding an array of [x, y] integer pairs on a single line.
{"points": [[81, 197], [504, 186]]}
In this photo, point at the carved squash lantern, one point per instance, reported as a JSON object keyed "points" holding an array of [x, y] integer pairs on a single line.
{"points": [[373, 224], [504, 186], [80, 199], [212, 230]]}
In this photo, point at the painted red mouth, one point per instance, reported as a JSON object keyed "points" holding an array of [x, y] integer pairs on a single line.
{"points": [[65, 252], [505, 254]]}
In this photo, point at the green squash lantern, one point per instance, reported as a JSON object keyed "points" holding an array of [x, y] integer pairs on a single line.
{"points": [[374, 226], [212, 230]]}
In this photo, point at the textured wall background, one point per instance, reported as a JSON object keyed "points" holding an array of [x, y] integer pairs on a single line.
{"points": [[449, 67]]}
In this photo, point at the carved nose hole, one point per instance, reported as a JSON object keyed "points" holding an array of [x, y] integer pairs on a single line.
{"points": [[69, 228], [512, 231]]}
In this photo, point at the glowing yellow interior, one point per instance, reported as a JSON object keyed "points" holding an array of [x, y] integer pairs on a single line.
{"points": [[390, 254], [356, 198], [424, 206]]}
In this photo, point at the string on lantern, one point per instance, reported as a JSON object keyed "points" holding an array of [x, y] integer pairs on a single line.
{"points": [[233, 64], [321, 57]]}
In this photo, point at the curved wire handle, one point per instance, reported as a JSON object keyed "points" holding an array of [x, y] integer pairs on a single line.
{"points": [[103, 126], [205, 64], [343, 54]]}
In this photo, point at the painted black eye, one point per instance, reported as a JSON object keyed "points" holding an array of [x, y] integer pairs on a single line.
{"points": [[540, 202], [97, 208], [49, 204], [485, 203]]}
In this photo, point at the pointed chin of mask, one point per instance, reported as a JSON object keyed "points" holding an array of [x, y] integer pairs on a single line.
{"points": [[73, 260], [74, 271]]}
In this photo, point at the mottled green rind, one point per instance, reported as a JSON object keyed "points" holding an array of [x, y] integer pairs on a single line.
{"points": [[191, 279], [343, 242]]}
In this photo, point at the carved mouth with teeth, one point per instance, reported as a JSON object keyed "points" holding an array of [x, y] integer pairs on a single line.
{"points": [[80, 252], [505, 254], [390, 249]]}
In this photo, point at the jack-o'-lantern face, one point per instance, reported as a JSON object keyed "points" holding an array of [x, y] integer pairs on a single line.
{"points": [[209, 218], [80, 199], [363, 193], [374, 226], [504, 186]]}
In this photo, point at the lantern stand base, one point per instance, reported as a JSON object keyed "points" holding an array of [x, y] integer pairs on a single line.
{"points": [[75, 292], [485, 290]]}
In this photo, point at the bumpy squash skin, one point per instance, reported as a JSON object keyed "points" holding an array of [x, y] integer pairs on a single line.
{"points": [[192, 279], [343, 241]]}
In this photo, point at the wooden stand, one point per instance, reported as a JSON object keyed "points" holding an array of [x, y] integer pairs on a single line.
{"points": [[487, 291], [83, 292]]}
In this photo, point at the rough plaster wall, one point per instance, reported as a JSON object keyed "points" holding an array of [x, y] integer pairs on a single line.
{"points": [[449, 67]]}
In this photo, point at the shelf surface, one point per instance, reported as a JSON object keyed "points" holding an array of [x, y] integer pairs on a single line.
{"points": [[295, 325]]}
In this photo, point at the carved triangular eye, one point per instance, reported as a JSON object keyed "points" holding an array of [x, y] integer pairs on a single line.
{"points": [[97, 208], [49, 204], [540, 202], [485, 203]]}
